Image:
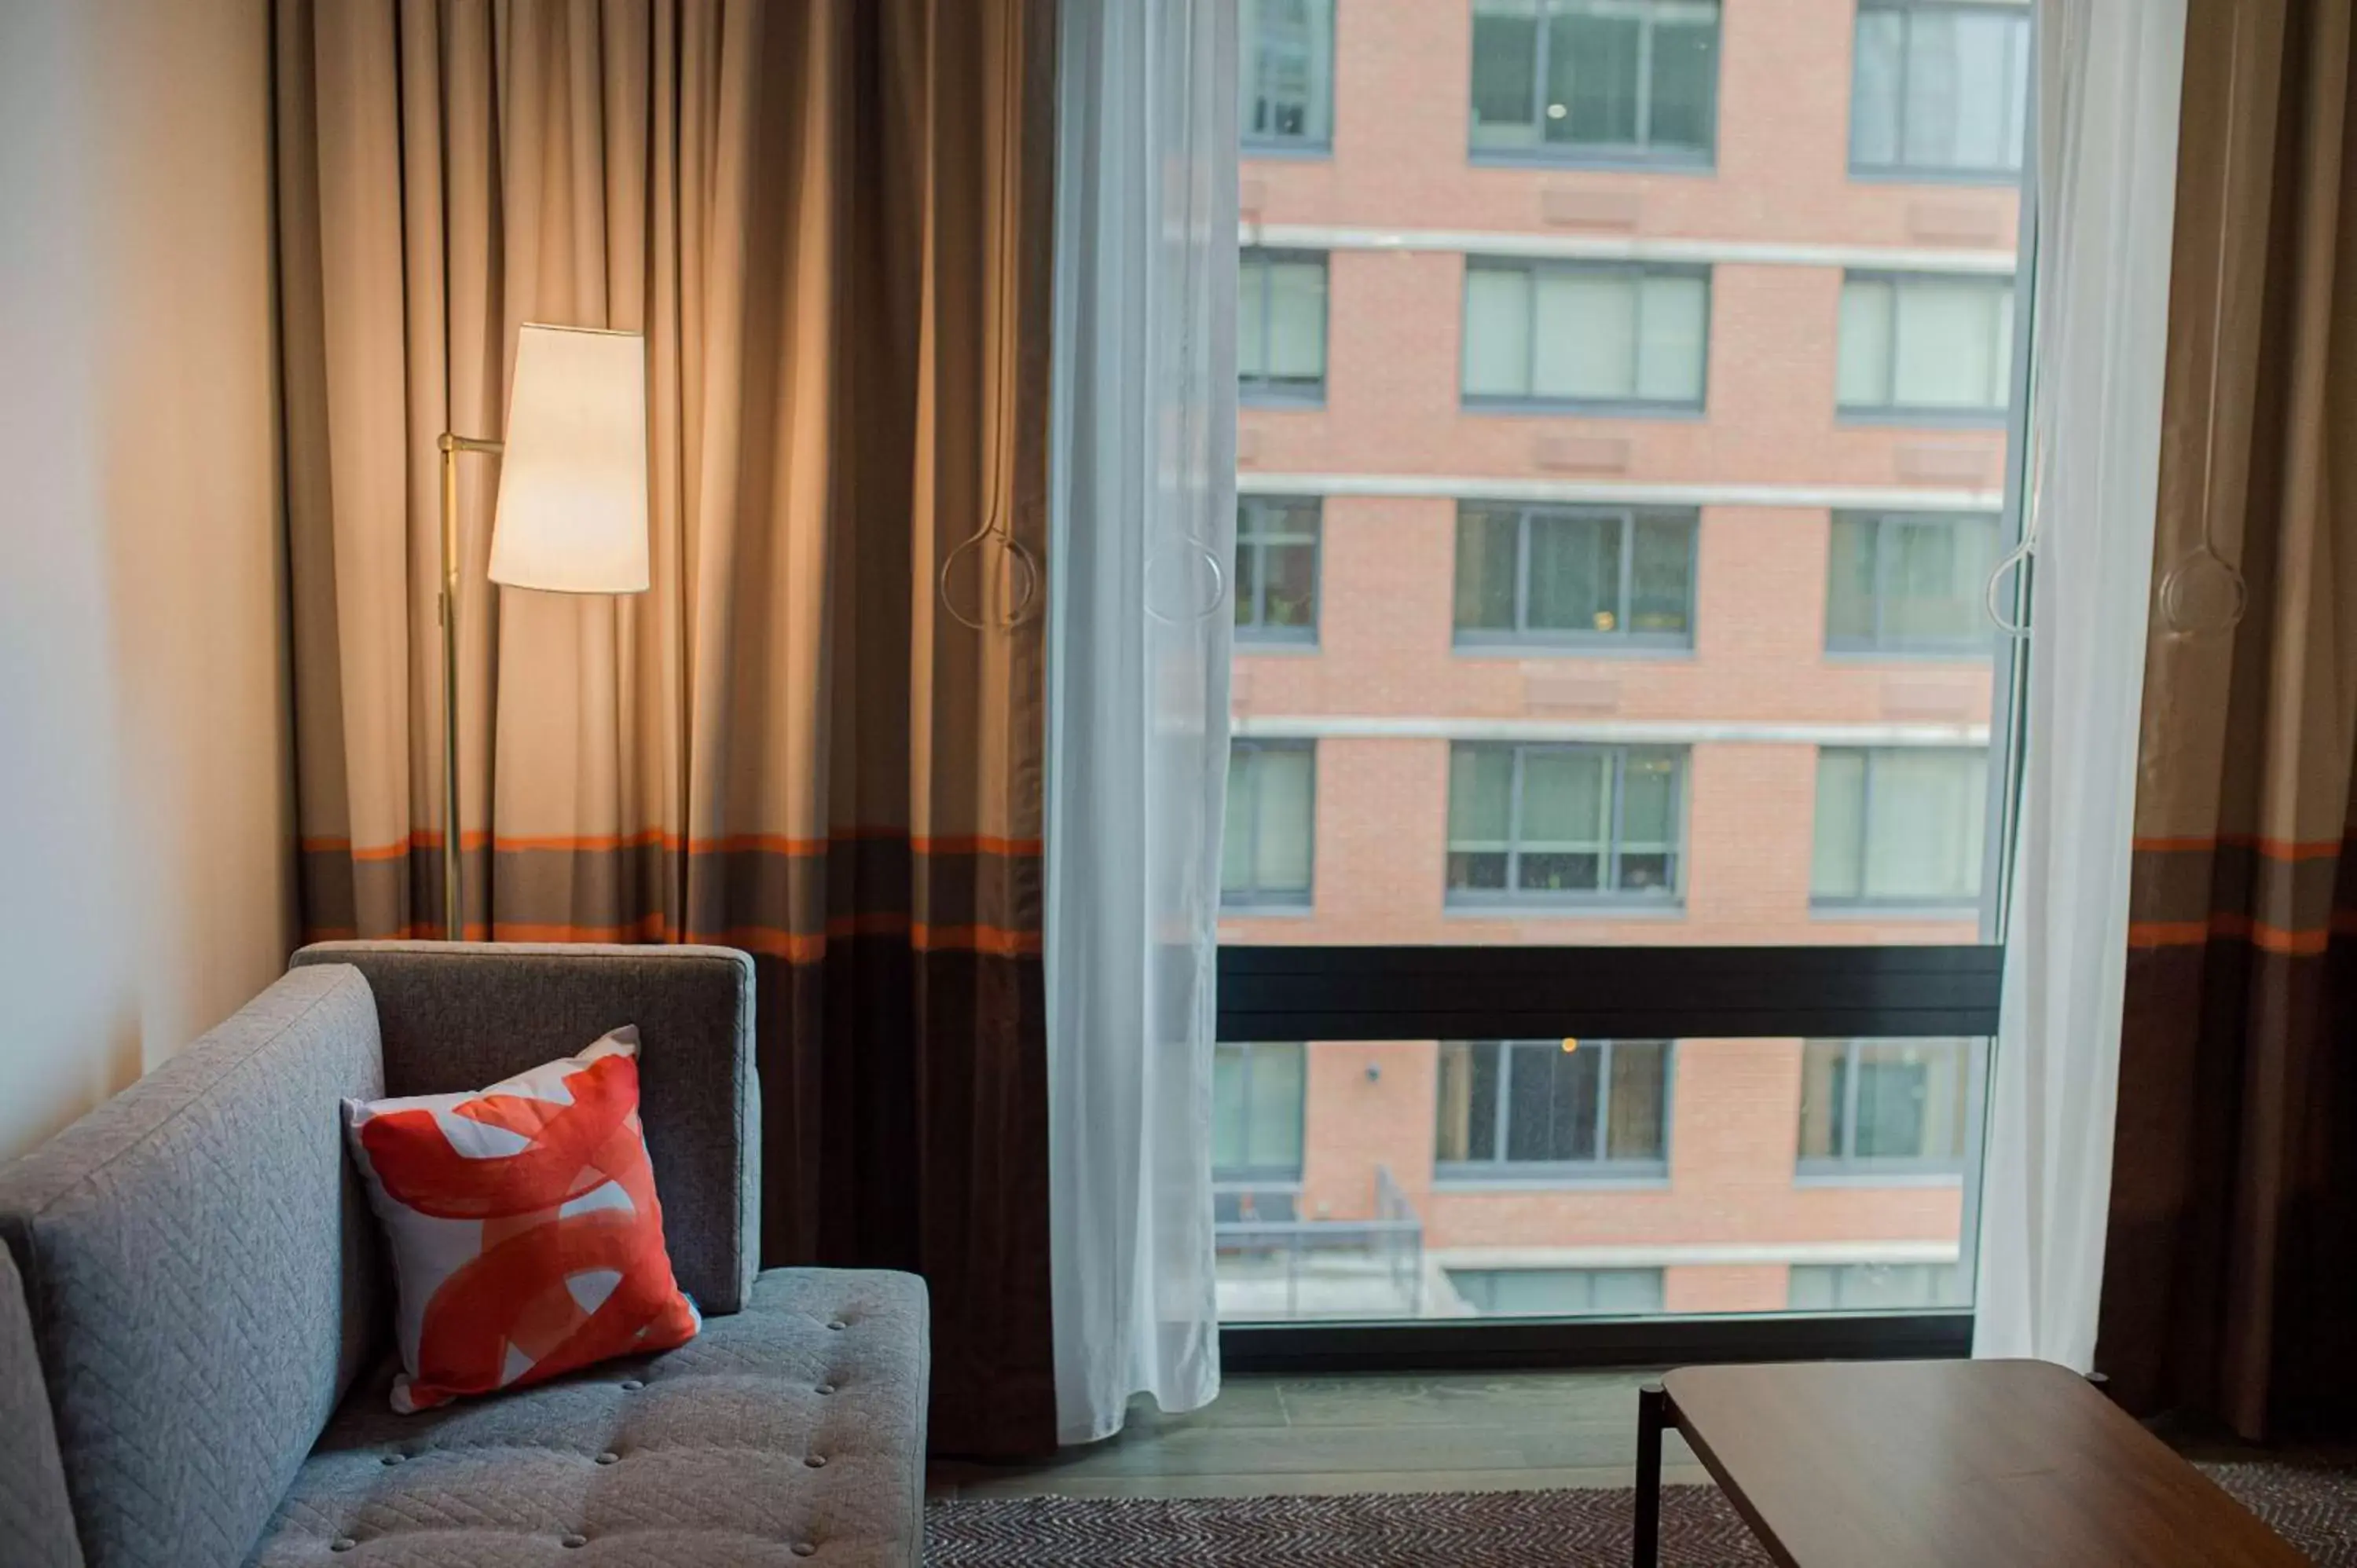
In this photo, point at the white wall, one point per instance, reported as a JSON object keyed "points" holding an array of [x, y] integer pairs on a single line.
{"points": [[145, 816]]}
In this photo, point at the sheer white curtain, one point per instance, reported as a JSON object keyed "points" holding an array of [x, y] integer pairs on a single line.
{"points": [[2108, 84], [1143, 521]]}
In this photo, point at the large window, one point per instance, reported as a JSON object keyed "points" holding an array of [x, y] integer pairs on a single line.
{"points": [[1276, 569], [1287, 99], [1874, 1287], [1566, 824], [1281, 326], [1940, 90], [1601, 80], [1257, 1094], [1586, 576], [1272, 814], [1908, 582], [1512, 1110], [1873, 1106], [1926, 347], [1558, 1292], [1585, 335], [1900, 826]]}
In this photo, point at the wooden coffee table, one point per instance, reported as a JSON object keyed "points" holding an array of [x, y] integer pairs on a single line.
{"points": [[1928, 1464]]}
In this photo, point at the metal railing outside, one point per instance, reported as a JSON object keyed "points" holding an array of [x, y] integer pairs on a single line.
{"points": [[1392, 1240]]}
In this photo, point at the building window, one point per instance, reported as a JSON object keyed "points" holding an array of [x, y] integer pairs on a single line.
{"points": [[1287, 99], [1276, 569], [1926, 347], [1585, 335], [1900, 826], [1608, 576], [1272, 813], [1871, 1106], [1940, 90], [1567, 824], [1596, 80], [1558, 1292], [1281, 326], [1515, 1109], [1258, 1093], [1902, 583], [1888, 1287]]}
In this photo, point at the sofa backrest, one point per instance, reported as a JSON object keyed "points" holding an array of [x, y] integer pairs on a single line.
{"points": [[36, 1523], [458, 1015], [201, 1276]]}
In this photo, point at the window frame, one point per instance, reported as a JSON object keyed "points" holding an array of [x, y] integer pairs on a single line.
{"points": [[1597, 1170], [1255, 510], [1512, 900], [1642, 155], [1536, 267], [1995, 416], [1321, 70], [1903, 172], [1262, 391], [1819, 903], [1484, 638], [1980, 645], [1257, 900], [1267, 1178], [1846, 1169]]}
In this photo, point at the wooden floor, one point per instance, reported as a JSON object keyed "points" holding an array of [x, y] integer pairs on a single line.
{"points": [[1329, 1433]]}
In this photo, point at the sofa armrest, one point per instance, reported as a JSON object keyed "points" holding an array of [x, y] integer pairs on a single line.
{"points": [[458, 1015]]}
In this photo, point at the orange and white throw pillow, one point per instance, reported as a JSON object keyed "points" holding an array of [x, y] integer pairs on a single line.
{"points": [[525, 1231]]}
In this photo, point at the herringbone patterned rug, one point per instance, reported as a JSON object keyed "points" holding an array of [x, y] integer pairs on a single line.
{"points": [[2315, 1509]]}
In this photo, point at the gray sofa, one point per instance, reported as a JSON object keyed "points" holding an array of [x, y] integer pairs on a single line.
{"points": [[194, 1362]]}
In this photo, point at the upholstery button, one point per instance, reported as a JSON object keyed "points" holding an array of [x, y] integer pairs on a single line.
{"points": [[608, 1458], [826, 1387], [838, 1323], [631, 1385], [817, 1461], [576, 1540], [393, 1459], [343, 1543], [803, 1549]]}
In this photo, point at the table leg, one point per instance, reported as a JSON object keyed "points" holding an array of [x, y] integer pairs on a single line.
{"points": [[1652, 1411]]}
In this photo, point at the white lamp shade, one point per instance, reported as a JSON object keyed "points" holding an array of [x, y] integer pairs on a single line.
{"points": [[572, 515]]}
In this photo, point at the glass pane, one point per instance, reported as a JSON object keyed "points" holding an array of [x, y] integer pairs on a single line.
{"points": [[1863, 374], [1685, 77], [1594, 61], [1497, 333], [1672, 348], [1661, 577], [1252, 319], [1584, 335], [1230, 1073], [1458, 1133], [1838, 864], [1247, 585], [1290, 589], [1505, 43], [1825, 1089], [1574, 583], [1236, 847], [1938, 573], [1566, 798], [1924, 824], [1892, 1085], [1551, 1103], [1480, 794], [1951, 345], [1636, 1120], [1297, 321], [1285, 97], [1273, 1125], [1282, 842], [1488, 544], [1850, 592], [1876, 88], [1960, 88]]}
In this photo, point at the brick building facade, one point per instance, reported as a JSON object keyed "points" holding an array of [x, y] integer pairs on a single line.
{"points": [[1797, 421]]}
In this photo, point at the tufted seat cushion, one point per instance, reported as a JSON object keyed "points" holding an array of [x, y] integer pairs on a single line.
{"points": [[791, 1432]]}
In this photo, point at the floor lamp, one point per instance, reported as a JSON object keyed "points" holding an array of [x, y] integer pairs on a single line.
{"points": [[572, 511]]}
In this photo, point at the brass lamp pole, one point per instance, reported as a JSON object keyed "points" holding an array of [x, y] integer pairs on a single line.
{"points": [[454, 926]]}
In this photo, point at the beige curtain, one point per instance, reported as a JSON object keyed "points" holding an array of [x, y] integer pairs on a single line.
{"points": [[2230, 1265], [828, 219]]}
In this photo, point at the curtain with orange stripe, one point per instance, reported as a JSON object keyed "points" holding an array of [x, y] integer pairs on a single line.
{"points": [[2230, 1265], [828, 219]]}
